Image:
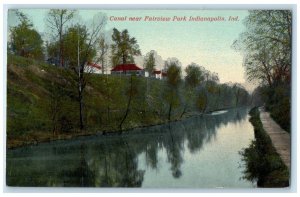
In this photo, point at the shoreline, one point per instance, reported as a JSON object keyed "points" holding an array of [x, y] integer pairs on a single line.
{"points": [[19, 144], [263, 163]]}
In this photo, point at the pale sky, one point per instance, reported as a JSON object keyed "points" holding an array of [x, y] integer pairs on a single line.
{"points": [[205, 43]]}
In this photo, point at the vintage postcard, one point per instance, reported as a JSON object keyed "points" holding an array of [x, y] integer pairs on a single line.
{"points": [[165, 98]]}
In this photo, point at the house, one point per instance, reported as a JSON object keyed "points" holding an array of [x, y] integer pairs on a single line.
{"points": [[157, 74], [93, 68], [127, 69]]}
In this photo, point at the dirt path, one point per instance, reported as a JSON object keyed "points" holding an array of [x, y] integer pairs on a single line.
{"points": [[281, 139]]}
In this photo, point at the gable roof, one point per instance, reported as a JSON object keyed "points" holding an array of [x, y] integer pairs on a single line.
{"points": [[94, 65], [126, 67], [156, 71]]}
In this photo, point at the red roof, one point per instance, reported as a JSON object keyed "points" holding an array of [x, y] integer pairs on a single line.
{"points": [[156, 71], [94, 65], [125, 67]]}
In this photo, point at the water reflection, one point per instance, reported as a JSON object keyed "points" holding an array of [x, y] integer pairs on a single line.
{"points": [[113, 161]]}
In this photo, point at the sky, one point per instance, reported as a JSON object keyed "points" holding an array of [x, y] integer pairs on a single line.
{"points": [[203, 42]]}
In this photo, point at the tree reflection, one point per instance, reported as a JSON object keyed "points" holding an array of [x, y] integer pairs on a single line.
{"points": [[174, 147], [113, 161], [82, 176]]}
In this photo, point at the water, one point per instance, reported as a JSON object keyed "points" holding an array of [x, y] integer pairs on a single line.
{"points": [[198, 152]]}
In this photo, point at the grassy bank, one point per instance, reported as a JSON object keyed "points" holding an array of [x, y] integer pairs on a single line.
{"points": [[42, 102], [263, 164]]}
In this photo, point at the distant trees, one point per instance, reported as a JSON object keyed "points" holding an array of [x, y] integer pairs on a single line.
{"points": [[103, 50], [57, 21], [26, 41], [124, 47], [173, 81], [194, 75], [150, 62], [111, 100]]}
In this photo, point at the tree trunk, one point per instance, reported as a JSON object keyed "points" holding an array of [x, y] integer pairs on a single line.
{"points": [[61, 62], [102, 64], [184, 109], [170, 109], [80, 98], [128, 106], [81, 111], [124, 59]]}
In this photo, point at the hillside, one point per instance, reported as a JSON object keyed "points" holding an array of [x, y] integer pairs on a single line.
{"points": [[42, 102], [35, 88]]}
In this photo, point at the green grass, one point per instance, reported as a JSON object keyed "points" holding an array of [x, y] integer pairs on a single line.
{"points": [[263, 164], [30, 90], [34, 87]]}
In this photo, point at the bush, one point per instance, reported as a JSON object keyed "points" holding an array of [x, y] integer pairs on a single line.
{"points": [[263, 164]]}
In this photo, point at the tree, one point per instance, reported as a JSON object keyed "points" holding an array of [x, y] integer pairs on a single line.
{"points": [[81, 42], [150, 62], [103, 46], [26, 41], [267, 48], [194, 75], [131, 92], [57, 20], [124, 47], [267, 45], [173, 81]]}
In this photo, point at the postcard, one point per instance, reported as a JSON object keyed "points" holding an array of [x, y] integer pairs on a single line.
{"points": [[149, 98]]}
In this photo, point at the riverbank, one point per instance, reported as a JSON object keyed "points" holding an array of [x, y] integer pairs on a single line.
{"points": [[42, 102], [263, 163], [41, 137]]}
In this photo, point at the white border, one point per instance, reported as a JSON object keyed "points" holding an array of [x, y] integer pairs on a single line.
{"points": [[180, 5]]}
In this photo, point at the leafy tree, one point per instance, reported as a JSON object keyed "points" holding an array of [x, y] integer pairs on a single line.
{"points": [[194, 75], [76, 39], [26, 41], [124, 47], [81, 43], [267, 48], [150, 63], [173, 81], [57, 20], [266, 45]]}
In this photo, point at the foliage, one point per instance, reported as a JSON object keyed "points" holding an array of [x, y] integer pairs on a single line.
{"points": [[124, 47], [262, 161], [173, 74], [267, 48], [267, 45], [35, 88], [150, 62], [26, 41], [76, 38], [194, 75], [57, 20]]}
